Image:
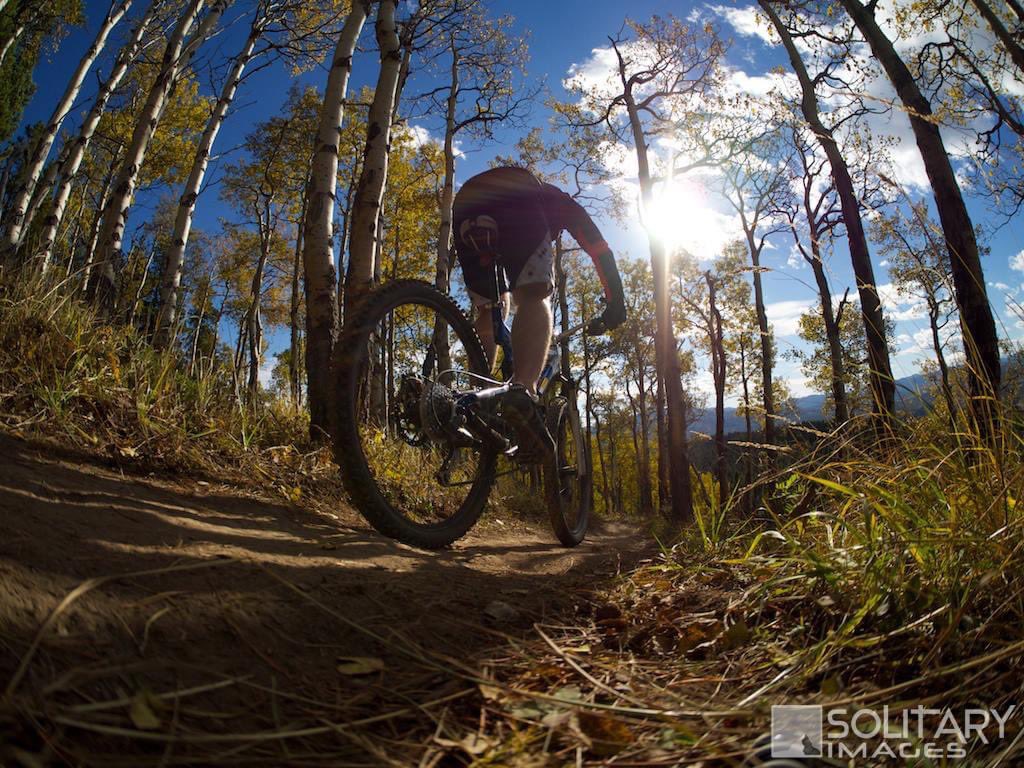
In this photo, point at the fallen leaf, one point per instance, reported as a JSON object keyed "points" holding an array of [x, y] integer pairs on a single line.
{"points": [[736, 635], [526, 711], [359, 665], [556, 719], [831, 685], [585, 648], [141, 711], [569, 693], [691, 636], [607, 735], [490, 692], [472, 744]]}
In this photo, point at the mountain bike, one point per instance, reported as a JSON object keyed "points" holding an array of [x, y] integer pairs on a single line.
{"points": [[422, 433]]}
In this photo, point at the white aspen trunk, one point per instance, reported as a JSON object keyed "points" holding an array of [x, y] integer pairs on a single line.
{"points": [[318, 227], [171, 279], [140, 288], [254, 320], [42, 191], [16, 219], [75, 234], [94, 233], [115, 215], [194, 346], [9, 42], [293, 316], [373, 178], [81, 142], [444, 234]]}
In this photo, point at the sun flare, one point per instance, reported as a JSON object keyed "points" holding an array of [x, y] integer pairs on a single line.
{"points": [[678, 216]]}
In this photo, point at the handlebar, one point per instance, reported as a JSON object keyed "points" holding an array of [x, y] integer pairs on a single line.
{"points": [[568, 334]]}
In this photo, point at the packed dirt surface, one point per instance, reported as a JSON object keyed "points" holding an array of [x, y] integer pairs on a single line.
{"points": [[169, 584]]}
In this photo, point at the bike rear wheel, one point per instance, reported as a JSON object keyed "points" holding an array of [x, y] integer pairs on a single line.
{"points": [[399, 466], [567, 478]]}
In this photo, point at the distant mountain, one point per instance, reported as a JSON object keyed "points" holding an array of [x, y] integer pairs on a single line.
{"points": [[910, 398]]}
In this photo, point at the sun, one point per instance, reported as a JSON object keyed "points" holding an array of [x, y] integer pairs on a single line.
{"points": [[678, 215]]}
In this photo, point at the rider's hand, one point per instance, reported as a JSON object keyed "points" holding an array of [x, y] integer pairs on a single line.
{"points": [[613, 316]]}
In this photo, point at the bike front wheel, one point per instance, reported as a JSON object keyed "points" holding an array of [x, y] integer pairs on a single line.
{"points": [[404, 467], [567, 479]]}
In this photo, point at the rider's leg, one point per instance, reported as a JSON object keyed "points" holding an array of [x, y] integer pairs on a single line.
{"points": [[485, 330], [531, 332], [484, 324]]}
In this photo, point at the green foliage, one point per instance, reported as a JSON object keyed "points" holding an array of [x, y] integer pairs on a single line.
{"points": [[169, 157], [816, 362], [28, 29], [16, 89]]}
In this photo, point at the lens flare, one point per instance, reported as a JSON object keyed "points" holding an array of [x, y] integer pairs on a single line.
{"points": [[677, 216]]}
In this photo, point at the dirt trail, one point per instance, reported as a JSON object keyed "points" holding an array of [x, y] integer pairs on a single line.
{"points": [[65, 518]]}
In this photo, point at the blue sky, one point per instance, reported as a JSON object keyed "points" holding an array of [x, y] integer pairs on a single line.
{"points": [[564, 36]]}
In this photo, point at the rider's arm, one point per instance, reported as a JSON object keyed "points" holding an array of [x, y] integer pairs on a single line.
{"points": [[566, 213]]}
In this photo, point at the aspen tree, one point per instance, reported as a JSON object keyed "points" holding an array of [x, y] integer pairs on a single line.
{"points": [[318, 227], [66, 173], [177, 55], [175, 257], [364, 245], [16, 219]]}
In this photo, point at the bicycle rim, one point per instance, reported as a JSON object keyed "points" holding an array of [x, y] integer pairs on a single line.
{"points": [[407, 471], [568, 478]]}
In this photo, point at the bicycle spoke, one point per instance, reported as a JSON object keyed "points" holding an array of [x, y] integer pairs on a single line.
{"points": [[405, 415]]}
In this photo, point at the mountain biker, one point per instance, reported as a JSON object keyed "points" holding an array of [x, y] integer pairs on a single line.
{"points": [[505, 220]]}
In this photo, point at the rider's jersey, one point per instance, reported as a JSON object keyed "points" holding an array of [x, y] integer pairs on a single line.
{"points": [[528, 212]]}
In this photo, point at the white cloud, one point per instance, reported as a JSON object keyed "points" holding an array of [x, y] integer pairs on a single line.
{"points": [[597, 74], [1017, 262], [746, 21], [900, 305], [784, 316], [419, 136], [759, 86], [703, 381], [800, 386], [417, 133], [795, 260]]}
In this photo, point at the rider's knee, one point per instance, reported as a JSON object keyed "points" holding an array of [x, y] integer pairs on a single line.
{"points": [[532, 293]]}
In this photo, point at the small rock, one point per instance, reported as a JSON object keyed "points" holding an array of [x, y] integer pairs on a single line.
{"points": [[500, 612]]}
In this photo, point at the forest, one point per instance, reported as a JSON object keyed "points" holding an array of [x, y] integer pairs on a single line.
{"points": [[201, 203]]}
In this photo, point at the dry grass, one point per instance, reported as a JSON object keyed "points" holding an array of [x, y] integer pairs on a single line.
{"points": [[892, 580], [875, 576], [66, 376]]}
